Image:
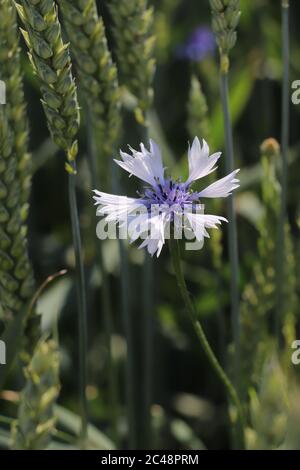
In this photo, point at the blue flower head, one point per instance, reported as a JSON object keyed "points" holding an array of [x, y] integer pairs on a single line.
{"points": [[164, 200], [200, 44]]}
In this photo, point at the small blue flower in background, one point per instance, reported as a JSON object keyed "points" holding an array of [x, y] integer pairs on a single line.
{"points": [[200, 44]]}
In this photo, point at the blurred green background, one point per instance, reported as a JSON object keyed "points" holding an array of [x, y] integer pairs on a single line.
{"points": [[189, 406]]}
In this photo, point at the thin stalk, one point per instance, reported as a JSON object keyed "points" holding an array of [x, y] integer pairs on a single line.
{"points": [[233, 244], [175, 254], [221, 322], [105, 294], [285, 122], [82, 309]]}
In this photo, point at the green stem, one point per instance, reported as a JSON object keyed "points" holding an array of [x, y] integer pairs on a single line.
{"points": [[175, 254], [64, 436], [81, 299], [233, 244], [221, 322], [105, 294], [280, 268]]}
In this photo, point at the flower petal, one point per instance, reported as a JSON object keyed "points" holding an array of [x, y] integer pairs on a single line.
{"points": [[200, 222], [200, 163], [222, 187], [116, 208], [146, 165], [156, 240]]}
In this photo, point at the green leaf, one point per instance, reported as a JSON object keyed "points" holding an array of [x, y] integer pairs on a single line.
{"points": [[72, 422], [185, 435], [4, 439], [52, 301], [54, 445]]}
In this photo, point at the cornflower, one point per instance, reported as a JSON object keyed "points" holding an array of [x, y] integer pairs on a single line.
{"points": [[165, 205]]}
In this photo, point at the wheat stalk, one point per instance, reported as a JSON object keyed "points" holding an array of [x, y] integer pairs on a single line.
{"points": [[260, 296], [50, 59], [51, 62], [225, 18], [98, 78], [133, 21], [96, 70], [16, 276], [16, 279], [12, 76]]}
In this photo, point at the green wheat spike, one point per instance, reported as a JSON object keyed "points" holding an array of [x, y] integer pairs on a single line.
{"points": [[271, 197], [225, 18], [50, 59], [36, 421], [16, 278], [197, 123], [51, 62], [259, 297], [133, 24], [12, 76], [269, 406], [96, 70], [16, 275]]}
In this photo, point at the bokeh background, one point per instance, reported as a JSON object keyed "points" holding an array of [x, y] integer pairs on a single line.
{"points": [[189, 406]]}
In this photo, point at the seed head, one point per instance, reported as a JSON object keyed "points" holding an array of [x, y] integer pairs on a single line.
{"points": [[50, 59], [225, 18]]}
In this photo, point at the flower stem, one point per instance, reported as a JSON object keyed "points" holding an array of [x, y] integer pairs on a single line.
{"points": [[81, 299], [233, 244], [105, 294], [175, 254], [280, 268]]}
